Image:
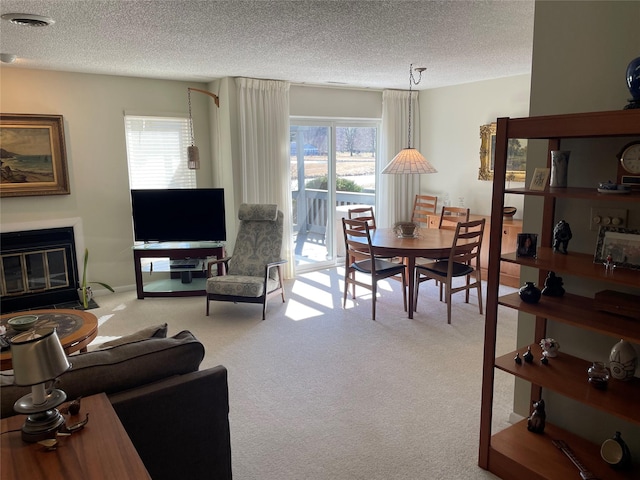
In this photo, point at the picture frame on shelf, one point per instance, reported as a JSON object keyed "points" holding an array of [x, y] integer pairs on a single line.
{"points": [[34, 158], [527, 245], [540, 179], [619, 246]]}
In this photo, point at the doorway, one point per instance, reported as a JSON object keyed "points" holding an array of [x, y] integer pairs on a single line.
{"points": [[333, 167]]}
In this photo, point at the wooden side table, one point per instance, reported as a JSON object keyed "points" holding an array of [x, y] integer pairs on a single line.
{"points": [[101, 450], [75, 328]]}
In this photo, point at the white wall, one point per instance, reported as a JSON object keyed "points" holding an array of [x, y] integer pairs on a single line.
{"points": [[93, 108], [335, 102], [450, 120]]}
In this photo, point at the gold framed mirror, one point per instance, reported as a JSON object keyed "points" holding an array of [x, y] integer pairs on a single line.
{"points": [[516, 151]]}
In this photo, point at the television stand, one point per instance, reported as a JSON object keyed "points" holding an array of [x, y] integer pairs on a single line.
{"points": [[165, 260]]}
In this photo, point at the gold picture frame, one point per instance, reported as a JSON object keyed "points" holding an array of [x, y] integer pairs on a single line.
{"points": [[516, 160], [540, 179], [33, 155]]}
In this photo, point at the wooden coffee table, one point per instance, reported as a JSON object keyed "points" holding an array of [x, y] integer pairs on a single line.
{"points": [[75, 328]]}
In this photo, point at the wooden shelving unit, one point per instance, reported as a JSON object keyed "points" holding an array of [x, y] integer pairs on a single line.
{"points": [[515, 453]]}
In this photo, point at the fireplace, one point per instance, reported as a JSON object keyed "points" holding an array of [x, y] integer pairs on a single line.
{"points": [[38, 268]]}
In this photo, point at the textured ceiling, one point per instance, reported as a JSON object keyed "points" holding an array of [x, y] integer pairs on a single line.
{"points": [[351, 43]]}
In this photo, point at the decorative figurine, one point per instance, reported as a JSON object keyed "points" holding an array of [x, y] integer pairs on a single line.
{"points": [[73, 408], [517, 358], [529, 293], [544, 360], [553, 286], [561, 236], [537, 419], [609, 265], [528, 356]]}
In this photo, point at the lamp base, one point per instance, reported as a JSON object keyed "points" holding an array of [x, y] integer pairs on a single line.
{"points": [[41, 426]]}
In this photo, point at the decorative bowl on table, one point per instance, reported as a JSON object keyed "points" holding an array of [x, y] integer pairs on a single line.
{"points": [[406, 229], [23, 322], [508, 212]]}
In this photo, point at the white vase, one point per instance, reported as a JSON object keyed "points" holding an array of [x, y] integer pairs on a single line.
{"points": [[623, 360], [559, 167]]}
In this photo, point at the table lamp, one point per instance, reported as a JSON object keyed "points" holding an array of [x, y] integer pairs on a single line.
{"points": [[38, 357]]}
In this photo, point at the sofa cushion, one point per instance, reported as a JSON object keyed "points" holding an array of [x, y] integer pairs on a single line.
{"points": [[120, 368], [156, 331]]}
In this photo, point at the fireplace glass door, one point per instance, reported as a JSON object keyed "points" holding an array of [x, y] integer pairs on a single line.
{"points": [[34, 271]]}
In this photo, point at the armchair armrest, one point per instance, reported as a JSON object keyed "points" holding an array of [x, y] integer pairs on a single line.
{"points": [[277, 264], [224, 261]]}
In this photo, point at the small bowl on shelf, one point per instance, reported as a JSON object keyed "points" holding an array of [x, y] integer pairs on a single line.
{"points": [[509, 212], [23, 322]]}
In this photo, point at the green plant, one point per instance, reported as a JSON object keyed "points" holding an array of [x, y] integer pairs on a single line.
{"points": [[342, 184], [84, 287]]}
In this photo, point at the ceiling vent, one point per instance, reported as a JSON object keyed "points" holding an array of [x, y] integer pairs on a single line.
{"points": [[28, 19]]}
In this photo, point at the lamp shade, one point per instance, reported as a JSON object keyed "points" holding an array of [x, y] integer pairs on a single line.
{"points": [[37, 357], [193, 157], [409, 162]]}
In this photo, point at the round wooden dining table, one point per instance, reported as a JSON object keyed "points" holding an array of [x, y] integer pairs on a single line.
{"points": [[429, 243]]}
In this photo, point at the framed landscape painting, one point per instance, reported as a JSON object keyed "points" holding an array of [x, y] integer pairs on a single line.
{"points": [[33, 160]]}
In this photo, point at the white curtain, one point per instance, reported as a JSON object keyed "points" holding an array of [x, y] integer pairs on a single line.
{"points": [[397, 192], [263, 107]]}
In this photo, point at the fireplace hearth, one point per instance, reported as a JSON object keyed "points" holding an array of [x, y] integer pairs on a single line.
{"points": [[38, 269]]}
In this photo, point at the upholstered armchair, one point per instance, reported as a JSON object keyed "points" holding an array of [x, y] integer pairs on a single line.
{"points": [[253, 273]]}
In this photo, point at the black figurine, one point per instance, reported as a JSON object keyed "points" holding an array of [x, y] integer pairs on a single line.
{"points": [[517, 358], [561, 236], [553, 286], [528, 356], [537, 419]]}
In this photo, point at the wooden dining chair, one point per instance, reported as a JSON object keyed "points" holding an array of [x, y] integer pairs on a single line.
{"points": [[450, 216], [363, 213], [364, 261], [463, 261], [423, 206]]}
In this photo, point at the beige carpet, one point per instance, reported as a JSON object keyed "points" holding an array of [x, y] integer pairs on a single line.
{"points": [[321, 392]]}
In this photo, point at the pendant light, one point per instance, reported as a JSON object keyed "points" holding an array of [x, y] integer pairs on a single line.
{"points": [[410, 161], [193, 154]]}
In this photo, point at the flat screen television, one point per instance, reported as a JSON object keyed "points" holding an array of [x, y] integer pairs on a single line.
{"points": [[178, 215]]}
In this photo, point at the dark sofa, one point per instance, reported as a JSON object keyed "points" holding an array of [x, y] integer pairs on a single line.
{"points": [[176, 415]]}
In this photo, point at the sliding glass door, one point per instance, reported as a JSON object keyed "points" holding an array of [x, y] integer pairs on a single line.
{"points": [[333, 167]]}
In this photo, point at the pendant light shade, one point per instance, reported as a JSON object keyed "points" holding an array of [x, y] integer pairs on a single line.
{"points": [[193, 157], [410, 161]]}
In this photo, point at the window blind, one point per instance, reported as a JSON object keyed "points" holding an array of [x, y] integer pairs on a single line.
{"points": [[157, 152]]}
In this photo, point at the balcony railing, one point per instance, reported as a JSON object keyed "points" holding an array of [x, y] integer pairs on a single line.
{"points": [[310, 210]]}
